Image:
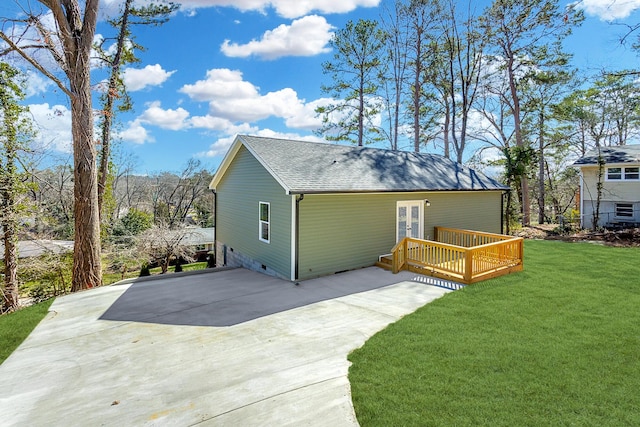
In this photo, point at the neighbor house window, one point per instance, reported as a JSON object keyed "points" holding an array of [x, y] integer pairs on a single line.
{"points": [[623, 174], [624, 210], [614, 173], [265, 222], [631, 173]]}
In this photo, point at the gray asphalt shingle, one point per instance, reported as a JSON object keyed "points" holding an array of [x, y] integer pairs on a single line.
{"points": [[310, 167], [612, 155]]}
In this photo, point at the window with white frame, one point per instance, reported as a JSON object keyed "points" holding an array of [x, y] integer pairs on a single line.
{"points": [[631, 174], [264, 222], [624, 210], [623, 174]]}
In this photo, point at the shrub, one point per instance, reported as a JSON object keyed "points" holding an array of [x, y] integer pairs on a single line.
{"points": [[144, 271], [211, 260], [40, 292]]}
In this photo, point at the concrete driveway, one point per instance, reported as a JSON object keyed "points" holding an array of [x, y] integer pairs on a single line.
{"points": [[228, 348]]}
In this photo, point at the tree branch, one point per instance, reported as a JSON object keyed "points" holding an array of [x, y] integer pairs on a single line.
{"points": [[36, 64]]}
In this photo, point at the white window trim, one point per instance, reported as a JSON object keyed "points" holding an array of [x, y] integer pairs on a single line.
{"points": [[622, 174], [260, 222]]}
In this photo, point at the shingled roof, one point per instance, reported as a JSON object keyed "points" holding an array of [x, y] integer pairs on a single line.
{"points": [[617, 154], [311, 167]]}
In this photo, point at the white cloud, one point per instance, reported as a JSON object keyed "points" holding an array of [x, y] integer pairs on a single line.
{"points": [[609, 10], [36, 83], [306, 36], [151, 75], [135, 133], [165, 119], [234, 99], [280, 103], [218, 148], [220, 82], [303, 116], [285, 8], [53, 123], [220, 124]]}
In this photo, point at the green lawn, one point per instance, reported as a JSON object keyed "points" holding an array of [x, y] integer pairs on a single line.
{"points": [[15, 327], [555, 345]]}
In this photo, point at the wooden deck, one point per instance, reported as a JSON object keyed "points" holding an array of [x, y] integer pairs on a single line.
{"points": [[460, 255]]}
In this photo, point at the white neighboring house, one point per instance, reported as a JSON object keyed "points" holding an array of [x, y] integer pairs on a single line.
{"points": [[201, 239], [35, 248], [620, 199]]}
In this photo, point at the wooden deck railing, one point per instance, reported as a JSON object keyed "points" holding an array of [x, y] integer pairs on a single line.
{"points": [[492, 255], [467, 238]]}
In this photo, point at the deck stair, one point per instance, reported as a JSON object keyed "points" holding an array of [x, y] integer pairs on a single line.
{"points": [[385, 261]]}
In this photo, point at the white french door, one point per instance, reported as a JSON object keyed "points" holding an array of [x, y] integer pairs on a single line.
{"points": [[409, 219]]}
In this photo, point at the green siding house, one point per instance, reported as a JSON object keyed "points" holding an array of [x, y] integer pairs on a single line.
{"points": [[297, 209]]}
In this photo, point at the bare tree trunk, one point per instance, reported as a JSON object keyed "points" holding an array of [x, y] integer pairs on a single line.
{"points": [[445, 130], [87, 267], [361, 113], [599, 186], [112, 91], [517, 125], [541, 163], [417, 90], [10, 240]]}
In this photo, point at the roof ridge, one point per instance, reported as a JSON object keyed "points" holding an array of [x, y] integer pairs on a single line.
{"points": [[345, 146]]}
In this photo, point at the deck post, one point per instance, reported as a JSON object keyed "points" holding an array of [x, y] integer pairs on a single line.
{"points": [[468, 265]]}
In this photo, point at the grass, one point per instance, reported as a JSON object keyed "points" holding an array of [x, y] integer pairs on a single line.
{"points": [[15, 327], [555, 345], [109, 278]]}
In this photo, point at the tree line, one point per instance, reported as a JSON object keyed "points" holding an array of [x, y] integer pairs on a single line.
{"points": [[494, 86]]}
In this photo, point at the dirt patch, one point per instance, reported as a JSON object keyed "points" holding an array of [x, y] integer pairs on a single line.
{"points": [[626, 238]]}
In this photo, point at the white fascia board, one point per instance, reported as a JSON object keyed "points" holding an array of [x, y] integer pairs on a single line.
{"points": [[224, 165]]}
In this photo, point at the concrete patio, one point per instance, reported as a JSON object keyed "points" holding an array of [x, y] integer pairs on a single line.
{"points": [[229, 348]]}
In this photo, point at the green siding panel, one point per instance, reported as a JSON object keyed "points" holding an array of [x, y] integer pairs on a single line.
{"points": [[347, 231], [244, 185], [479, 211]]}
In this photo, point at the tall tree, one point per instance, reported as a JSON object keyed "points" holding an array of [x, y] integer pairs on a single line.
{"points": [[423, 60], [125, 46], [543, 89], [516, 30], [14, 133], [396, 29], [355, 71], [464, 44], [69, 45]]}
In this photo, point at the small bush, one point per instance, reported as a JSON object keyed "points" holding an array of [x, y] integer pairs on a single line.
{"points": [[211, 260], [41, 292], [144, 271], [178, 268]]}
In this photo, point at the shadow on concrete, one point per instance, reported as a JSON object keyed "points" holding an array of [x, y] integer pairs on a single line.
{"points": [[230, 297]]}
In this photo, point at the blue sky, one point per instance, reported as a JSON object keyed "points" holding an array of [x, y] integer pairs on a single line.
{"points": [[223, 67]]}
